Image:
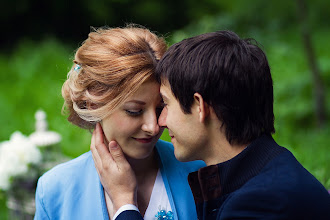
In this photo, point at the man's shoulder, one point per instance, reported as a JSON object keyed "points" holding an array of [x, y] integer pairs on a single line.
{"points": [[284, 171], [283, 186], [284, 174]]}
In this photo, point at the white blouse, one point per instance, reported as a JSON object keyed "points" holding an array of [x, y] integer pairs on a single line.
{"points": [[158, 200], [159, 205]]}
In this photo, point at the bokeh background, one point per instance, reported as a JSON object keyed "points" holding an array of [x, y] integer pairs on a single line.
{"points": [[39, 38]]}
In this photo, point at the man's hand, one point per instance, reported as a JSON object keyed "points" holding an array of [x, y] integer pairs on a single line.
{"points": [[116, 174]]}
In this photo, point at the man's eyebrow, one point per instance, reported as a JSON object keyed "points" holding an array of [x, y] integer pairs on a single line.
{"points": [[163, 96]]}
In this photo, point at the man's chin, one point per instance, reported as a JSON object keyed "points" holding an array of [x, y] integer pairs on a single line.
{"points": [[181, 157]]}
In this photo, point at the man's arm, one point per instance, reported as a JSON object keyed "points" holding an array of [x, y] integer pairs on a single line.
{"points": [[116, 175], [128, 214]]}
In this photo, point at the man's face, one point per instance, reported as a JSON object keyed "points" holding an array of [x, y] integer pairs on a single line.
{"points": [[187, 133]]}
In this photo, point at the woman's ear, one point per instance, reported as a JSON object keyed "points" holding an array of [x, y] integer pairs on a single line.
{"points": [[202, 108], [91, 106]]}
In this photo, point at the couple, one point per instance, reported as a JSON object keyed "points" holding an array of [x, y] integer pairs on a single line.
{"points": [[214, 93]]}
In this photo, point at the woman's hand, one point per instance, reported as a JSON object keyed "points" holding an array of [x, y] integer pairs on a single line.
{"points": [[116, 174]]}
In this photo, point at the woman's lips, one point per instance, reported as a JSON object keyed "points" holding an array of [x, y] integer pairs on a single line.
{"points": [[143, 140]]}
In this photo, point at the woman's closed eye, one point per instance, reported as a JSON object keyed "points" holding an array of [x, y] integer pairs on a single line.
{"points": [[134, 112]]}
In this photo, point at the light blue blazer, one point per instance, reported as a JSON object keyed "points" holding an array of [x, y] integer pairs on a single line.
{"points": [[73, 190]]}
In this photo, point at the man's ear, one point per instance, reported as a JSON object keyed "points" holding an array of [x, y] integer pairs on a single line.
{"points": [[202, 108]]}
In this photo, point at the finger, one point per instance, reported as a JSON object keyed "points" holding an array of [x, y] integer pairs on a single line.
{"points": [[95, 154], [98, 134], [117, 154], [93, 144], [92, 147], [101, 148], [96, 164]]}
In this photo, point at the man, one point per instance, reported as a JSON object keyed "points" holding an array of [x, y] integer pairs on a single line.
{"points": [[218, 95]]}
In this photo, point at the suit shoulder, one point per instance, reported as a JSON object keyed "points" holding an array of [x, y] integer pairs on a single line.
{"points": [[282, 186]]}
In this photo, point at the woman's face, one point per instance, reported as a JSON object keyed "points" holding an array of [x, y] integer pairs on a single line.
{"points": [[134, 124]]}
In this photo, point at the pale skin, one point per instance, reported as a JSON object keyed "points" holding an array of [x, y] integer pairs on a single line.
{"points": [[123, 193], [134, 125], [137, 191], [205, 141]]}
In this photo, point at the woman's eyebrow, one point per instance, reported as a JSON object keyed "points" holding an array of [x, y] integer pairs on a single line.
{"points": [[137, 102]]}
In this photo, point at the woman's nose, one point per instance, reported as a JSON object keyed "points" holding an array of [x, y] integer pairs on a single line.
{"points": [[162, 118], [150, 124]]}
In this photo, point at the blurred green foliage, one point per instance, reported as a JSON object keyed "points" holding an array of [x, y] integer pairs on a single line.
{"points": [[70, 21], [32, 72], [32, 77]]}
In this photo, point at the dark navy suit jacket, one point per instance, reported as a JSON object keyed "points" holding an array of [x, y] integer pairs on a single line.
{"points": [[128, 215], [264, 181]]}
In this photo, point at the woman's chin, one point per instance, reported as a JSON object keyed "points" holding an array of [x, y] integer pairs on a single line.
{"points": [[138, 155]]}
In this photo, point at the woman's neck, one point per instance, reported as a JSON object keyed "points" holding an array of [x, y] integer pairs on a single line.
{"points": [[145, 171], [144, 167]]}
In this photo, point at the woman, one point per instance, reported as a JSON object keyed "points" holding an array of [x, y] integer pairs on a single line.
{"points": [[112, 83]]}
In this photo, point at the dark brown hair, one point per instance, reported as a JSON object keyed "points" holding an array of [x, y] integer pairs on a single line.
{"points": [[231, 74]]}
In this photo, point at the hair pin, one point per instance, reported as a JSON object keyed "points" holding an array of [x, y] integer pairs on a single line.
{"points": [[77, 67]]}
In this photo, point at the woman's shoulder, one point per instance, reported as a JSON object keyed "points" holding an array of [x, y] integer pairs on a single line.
{"points": [[166, 153], [70, 170], [64, 187], [165, 149], [166, 144]]}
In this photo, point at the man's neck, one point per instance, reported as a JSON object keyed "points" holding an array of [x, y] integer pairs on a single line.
{"points": [[220, 150]]}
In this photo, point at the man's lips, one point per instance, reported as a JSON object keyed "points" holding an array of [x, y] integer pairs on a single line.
{"points": [[143, 140], [171, 135]]}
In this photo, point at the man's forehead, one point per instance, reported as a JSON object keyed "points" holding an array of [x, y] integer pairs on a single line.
{"points": [[165, 89], [165, 82]]}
